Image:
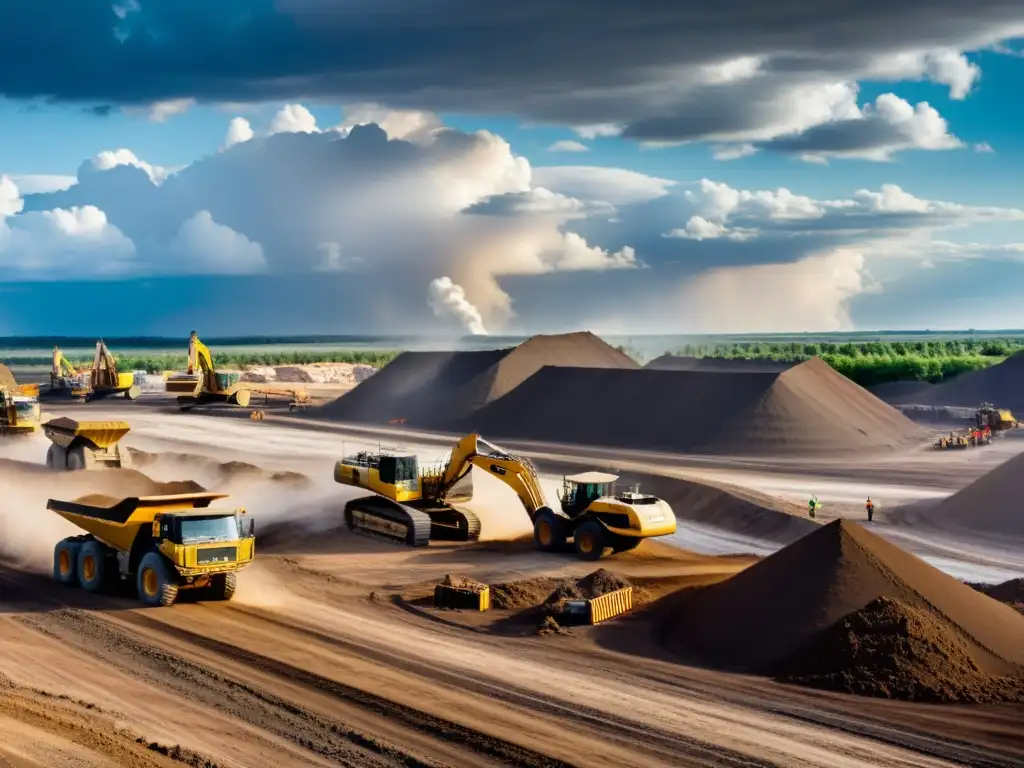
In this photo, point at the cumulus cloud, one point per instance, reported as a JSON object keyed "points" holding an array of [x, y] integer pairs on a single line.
{"points": [[567, 145], [734, 72], [202, 246], [876, 133], [410, 125], [160, 111], [109, 159], [239, 132], [448, 300], [293, 118], [616, 186], [539, 201]]}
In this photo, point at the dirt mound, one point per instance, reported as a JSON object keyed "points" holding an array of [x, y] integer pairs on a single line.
{"points": [[117, 483], [988, 505], [439, 389], [463, 582], [778, 607], [1010, 592], [891, 650], [714, 364], [808, 409], [1000, 384], [902, 391], [517, 595]]}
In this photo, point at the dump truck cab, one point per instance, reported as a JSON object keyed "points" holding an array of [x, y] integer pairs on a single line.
{"points": [[19, 414], [162, 543]]}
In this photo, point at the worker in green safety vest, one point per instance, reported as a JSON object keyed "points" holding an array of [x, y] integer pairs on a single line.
{"points": [[813, 506]]}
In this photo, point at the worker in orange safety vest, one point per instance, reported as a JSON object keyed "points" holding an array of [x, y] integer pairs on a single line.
{"points": [[870, 507]]}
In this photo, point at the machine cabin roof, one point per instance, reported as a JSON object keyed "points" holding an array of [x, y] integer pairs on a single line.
{"points": [[592, 478]]}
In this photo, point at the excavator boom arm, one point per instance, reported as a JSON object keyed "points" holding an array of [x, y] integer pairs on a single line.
{"points": [[199, 357]]}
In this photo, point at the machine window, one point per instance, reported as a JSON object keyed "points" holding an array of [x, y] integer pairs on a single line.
{"points": [[199, 529]]}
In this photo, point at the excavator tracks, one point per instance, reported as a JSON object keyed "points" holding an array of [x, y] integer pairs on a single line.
{"points": [[384, 518], [448, 524]]}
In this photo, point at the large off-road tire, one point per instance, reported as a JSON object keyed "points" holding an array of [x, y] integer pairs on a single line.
{"points": [[81, 457], [590, 539], [56, 458], [548, 531], [156, 583], [222, 586], [242, 397], [65, 562], [92, 565], [133, 392]]}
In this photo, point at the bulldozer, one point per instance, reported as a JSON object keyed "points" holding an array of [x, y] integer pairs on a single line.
{"points": [[102, 380], [411, 505], [202, 384], [162, 544], [996, 419], [86, 444]]}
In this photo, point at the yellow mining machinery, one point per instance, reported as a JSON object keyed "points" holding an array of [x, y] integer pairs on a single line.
{"points": [[102, 380], [996, 419], [202, 384], [162, 544], [19, 406], [86, 444], [412, 506]]}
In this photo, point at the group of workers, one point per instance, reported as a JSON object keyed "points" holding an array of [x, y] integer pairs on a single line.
{"points": [[814, 505]]}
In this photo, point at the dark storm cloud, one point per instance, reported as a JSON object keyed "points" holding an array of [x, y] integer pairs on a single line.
{"points": [[573, 61]]}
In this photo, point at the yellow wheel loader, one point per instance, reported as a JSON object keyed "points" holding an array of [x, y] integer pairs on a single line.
{"points": [[411, 506], [86, 444], [158, 544]]}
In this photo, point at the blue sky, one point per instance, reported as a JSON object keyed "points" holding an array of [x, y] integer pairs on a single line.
{"points": [[852, 169]]}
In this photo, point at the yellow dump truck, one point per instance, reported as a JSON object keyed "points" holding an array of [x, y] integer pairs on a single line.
{"points": [[19, 414], [158, 544], [86, 444]]}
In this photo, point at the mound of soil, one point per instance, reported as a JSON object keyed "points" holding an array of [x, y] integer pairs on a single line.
{"points": [[439, 389], [518, 595], [991, 504], [462, 582], [595, 584], [1010, 592], [782, 605], [1000, 385], [808, 409], [902, 391], [222, 472], [892, 650], [725, 365]]}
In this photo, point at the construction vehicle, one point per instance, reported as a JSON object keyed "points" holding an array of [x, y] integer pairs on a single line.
{"points": [[160, 544], [102, 380], [412, 506], [996, 419], [19, 406], [86, 444], [202, 384]]}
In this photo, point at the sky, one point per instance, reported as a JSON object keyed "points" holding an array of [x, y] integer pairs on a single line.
{"points": [[474, 167]]}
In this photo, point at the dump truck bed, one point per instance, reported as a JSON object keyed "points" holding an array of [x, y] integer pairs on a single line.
{"points": [[116, 521], [102, 434]]}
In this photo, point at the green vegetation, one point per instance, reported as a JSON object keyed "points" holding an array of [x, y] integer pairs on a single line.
{"points": [[156, 362], [875, 362]]}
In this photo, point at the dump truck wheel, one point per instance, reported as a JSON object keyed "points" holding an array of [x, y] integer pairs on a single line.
{"points": [[80, 457], [242, 397], [56, 458], [65, 562], [92, 565], [222, 586], [133, 392], [155, 583], [548, 531], [590, 540]]}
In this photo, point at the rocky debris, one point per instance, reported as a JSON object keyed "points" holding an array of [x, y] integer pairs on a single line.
{"points": [[312, 373]]}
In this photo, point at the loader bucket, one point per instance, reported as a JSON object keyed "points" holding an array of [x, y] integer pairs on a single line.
{"points": [[125, 380], [102, 434]]}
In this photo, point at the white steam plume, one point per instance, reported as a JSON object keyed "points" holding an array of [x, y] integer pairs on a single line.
{"points": [[448, 299]]}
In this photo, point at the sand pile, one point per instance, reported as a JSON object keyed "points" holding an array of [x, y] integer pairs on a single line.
{"points": [[793, 605], [1000, 384], [991, 504], [439, 389], [70, 485], [716, 365], [902, 391], [808, 409], [218, 473], [348, 374], [890, 650], [1010, 592]]}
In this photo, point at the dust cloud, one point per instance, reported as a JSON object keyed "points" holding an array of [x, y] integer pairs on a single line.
{"points": [[28, 531]]}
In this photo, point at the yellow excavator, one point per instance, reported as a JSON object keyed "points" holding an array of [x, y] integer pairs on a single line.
{"points": [[202, 384], [102, 380], [412, 506]]}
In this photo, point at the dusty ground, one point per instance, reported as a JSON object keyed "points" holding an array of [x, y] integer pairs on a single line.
{"points": [[323, 659]]}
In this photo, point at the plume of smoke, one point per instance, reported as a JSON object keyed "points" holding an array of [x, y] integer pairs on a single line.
{"points": [[448, 299]]}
